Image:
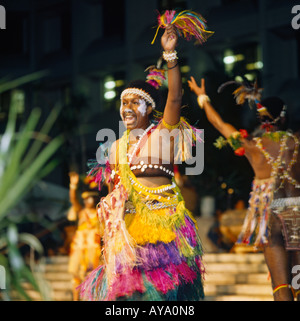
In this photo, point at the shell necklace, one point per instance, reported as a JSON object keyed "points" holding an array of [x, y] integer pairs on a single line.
{"points": [[136, 145]]}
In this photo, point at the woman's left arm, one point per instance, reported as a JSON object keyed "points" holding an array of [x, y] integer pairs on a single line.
{"points": [[173, 105]]}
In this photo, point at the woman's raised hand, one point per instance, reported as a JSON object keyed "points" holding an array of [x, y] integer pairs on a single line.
{"points": [[169, 39], [195, 88], [74, 178]]}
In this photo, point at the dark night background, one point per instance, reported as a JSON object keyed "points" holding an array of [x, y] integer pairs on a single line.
{"points": [[92, 48]]}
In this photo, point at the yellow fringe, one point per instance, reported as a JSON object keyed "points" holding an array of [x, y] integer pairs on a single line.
{"points": [[170, 127], [145, 233], [144, 221]]}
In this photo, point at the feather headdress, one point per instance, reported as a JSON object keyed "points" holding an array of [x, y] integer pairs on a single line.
{"points": [[188, 23], [249, 92], [156, 75], [246, 91]]}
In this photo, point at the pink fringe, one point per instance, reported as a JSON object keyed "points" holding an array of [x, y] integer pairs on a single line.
{"points": [[200, 266], [107, 172], [189, 233], [185, 272], [126, 284], [153, 83], [161, 280], [166, 280], [92, 281]]}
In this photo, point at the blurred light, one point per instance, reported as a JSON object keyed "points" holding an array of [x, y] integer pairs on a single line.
{"points": [[185, 69], [233, 58], [255, 65], [259, 64], [223, 185], [238, 78], [250, 77], [228, 60], [119, 83], [230, 191], [110, 95], [110, 84]]}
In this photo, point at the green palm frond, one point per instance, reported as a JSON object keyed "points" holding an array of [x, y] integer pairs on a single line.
{"points": [[26, 156]]}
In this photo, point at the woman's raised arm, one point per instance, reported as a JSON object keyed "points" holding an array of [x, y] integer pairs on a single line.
{"points": [[174, 99], [212, 115]]}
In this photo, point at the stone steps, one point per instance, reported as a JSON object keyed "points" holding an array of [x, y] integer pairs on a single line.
{"points": [[232, 278], [237, 289], [61, 276], [234, 258], [60, 281], [57, 280], [237, 268], [238, 298], [236, 277], [229, 277]]}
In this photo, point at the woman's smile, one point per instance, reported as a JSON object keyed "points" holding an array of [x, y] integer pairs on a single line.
{"points": [[134, 112]]}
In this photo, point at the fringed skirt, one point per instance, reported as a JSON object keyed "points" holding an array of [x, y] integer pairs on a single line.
{"points": [[255, 228], [167, 259], [85, 252]]}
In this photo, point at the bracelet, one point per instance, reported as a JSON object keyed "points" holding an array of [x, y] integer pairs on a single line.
{"points": [[202, 99], [73, 186], [170, 55], [173, 66], [170, 127]]}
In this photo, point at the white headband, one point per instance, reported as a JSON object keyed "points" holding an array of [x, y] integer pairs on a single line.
{"points": [[141, 93]]}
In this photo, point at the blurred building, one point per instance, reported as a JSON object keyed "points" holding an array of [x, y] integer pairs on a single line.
{"points": [[92, 48]]}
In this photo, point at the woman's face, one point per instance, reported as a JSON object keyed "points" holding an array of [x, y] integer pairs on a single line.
{"points": [[134, 112], [89, 202]]}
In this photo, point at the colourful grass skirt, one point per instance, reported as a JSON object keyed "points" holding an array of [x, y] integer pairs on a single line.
{"points": [[255, 228], [147, 258], [84, 252]]}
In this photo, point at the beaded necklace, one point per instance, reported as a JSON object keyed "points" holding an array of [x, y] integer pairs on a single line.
{"points": [[143, 196], [139, 187], [142, 166], [277, 164], [137, 144]]}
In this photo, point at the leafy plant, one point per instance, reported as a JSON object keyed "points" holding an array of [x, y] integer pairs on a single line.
{"points": [[25, 157]]}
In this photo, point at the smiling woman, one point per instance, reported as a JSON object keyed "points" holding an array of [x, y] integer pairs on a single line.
{"points": [[134, 112], [151, 247]]}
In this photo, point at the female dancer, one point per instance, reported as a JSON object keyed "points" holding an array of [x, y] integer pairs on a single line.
{"points": [[85, 247], [273, 219], [151, 247]]}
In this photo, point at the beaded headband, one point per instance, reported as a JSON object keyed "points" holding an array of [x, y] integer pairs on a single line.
{"points": [[141, 93]]}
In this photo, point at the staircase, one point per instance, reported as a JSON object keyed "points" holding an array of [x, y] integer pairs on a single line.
{"points": [[236, 277], [58, 278], [229, 277], [54, 281]]}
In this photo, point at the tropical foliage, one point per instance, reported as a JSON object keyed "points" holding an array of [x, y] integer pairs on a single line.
{"points": [[26, 156]]}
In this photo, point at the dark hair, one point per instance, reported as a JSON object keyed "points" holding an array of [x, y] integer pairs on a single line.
{"points": [[153, 92], [275, 106]]}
